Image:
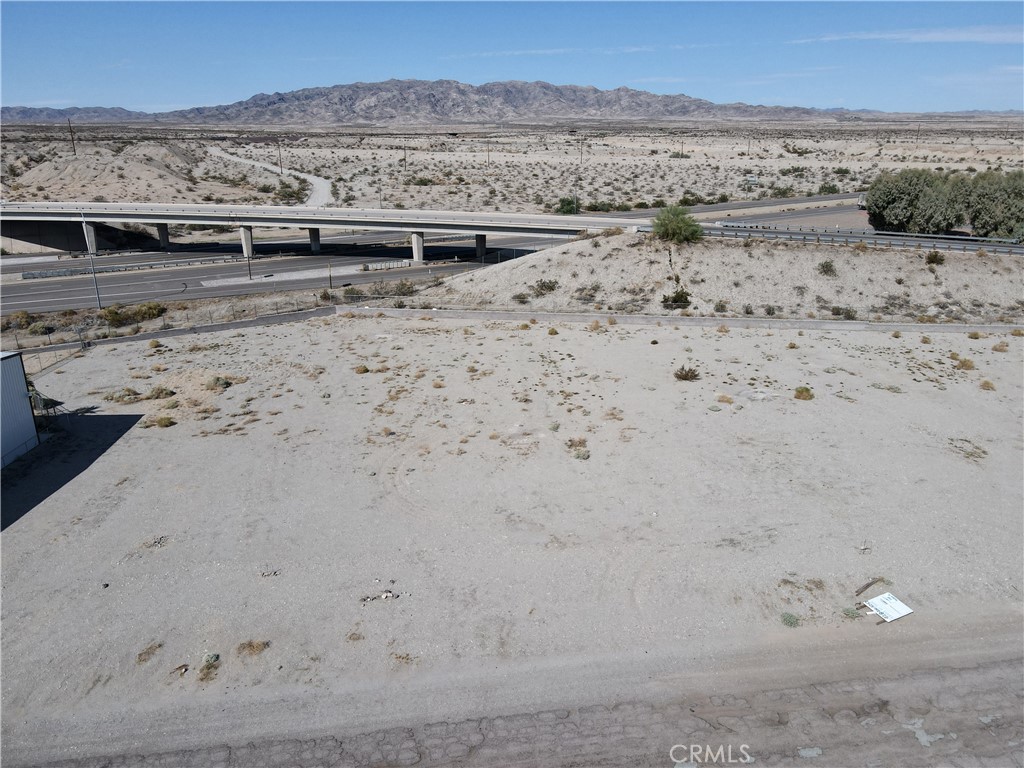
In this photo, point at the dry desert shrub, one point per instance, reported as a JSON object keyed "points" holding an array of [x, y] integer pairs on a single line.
{"points": [[164, 421], [159, 393], [125, 395], [612, 321], [684, 373], [208, 671], [722, 329], [965, 364], [438, 384], [552, 332], [803, 393], [1002, 346], [724, 399], [361, 369], [988, 385], [1017, 332], [896, 334], [926, 340], [595, 326], [792, 345], [975, 335]]}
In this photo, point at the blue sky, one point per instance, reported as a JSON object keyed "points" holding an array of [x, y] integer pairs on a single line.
{"points": [[155, 56]]}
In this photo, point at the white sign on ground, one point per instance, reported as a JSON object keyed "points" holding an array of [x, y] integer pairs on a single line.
{"points": [[888, 607]]}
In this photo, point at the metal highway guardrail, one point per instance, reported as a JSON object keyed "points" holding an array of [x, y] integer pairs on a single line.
{"points": [[852, 237]]}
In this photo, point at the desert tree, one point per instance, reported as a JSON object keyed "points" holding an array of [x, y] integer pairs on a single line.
{"points": [[675, 224]]}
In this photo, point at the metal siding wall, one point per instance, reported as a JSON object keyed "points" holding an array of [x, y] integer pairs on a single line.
{"points": [[17, 424]]}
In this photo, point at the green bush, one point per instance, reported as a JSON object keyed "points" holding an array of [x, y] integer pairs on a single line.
{"points": [[680, 299], [934, 257], [676, 225], [827, 268], [567, 206]]}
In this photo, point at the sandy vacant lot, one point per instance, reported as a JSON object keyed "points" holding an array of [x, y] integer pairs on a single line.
{"points": [[430, 541]]}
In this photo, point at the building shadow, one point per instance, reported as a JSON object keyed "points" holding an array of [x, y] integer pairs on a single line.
{"points": [[74, 443]]}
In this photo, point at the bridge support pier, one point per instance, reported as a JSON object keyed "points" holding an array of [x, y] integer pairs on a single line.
{"points": [[417, 246], [164, 236], [481, 247], [90, 237], [90, 245], [246, 233], [314, 240]]}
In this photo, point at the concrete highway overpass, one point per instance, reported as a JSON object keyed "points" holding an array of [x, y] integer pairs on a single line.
{"points": [[245, 217]]}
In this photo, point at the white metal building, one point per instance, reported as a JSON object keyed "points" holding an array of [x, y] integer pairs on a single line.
{"points": [[17, 423]]}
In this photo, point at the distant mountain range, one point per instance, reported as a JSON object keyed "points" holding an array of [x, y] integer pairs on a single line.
{"points": [[443, 102]]}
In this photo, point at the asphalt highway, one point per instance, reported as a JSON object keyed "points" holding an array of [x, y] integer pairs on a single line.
{"points": [[281, 266]]}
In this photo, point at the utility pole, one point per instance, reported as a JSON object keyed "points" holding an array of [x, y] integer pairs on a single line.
{"points": [[71, 131], [280, 163]]}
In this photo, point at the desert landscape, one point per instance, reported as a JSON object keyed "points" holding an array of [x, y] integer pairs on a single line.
{"points": [[477, 168], [593, 506]]}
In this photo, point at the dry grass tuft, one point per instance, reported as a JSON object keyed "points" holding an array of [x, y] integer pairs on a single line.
{"points": [[1017, 332], [792, 345], [438, 384], [252, 647], [1002, 346], [724, 399], [148, 653], [988, 385], [975, 335], [722, 329], [926, 340], [896, 334], [361, 369], [965, 364]]}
